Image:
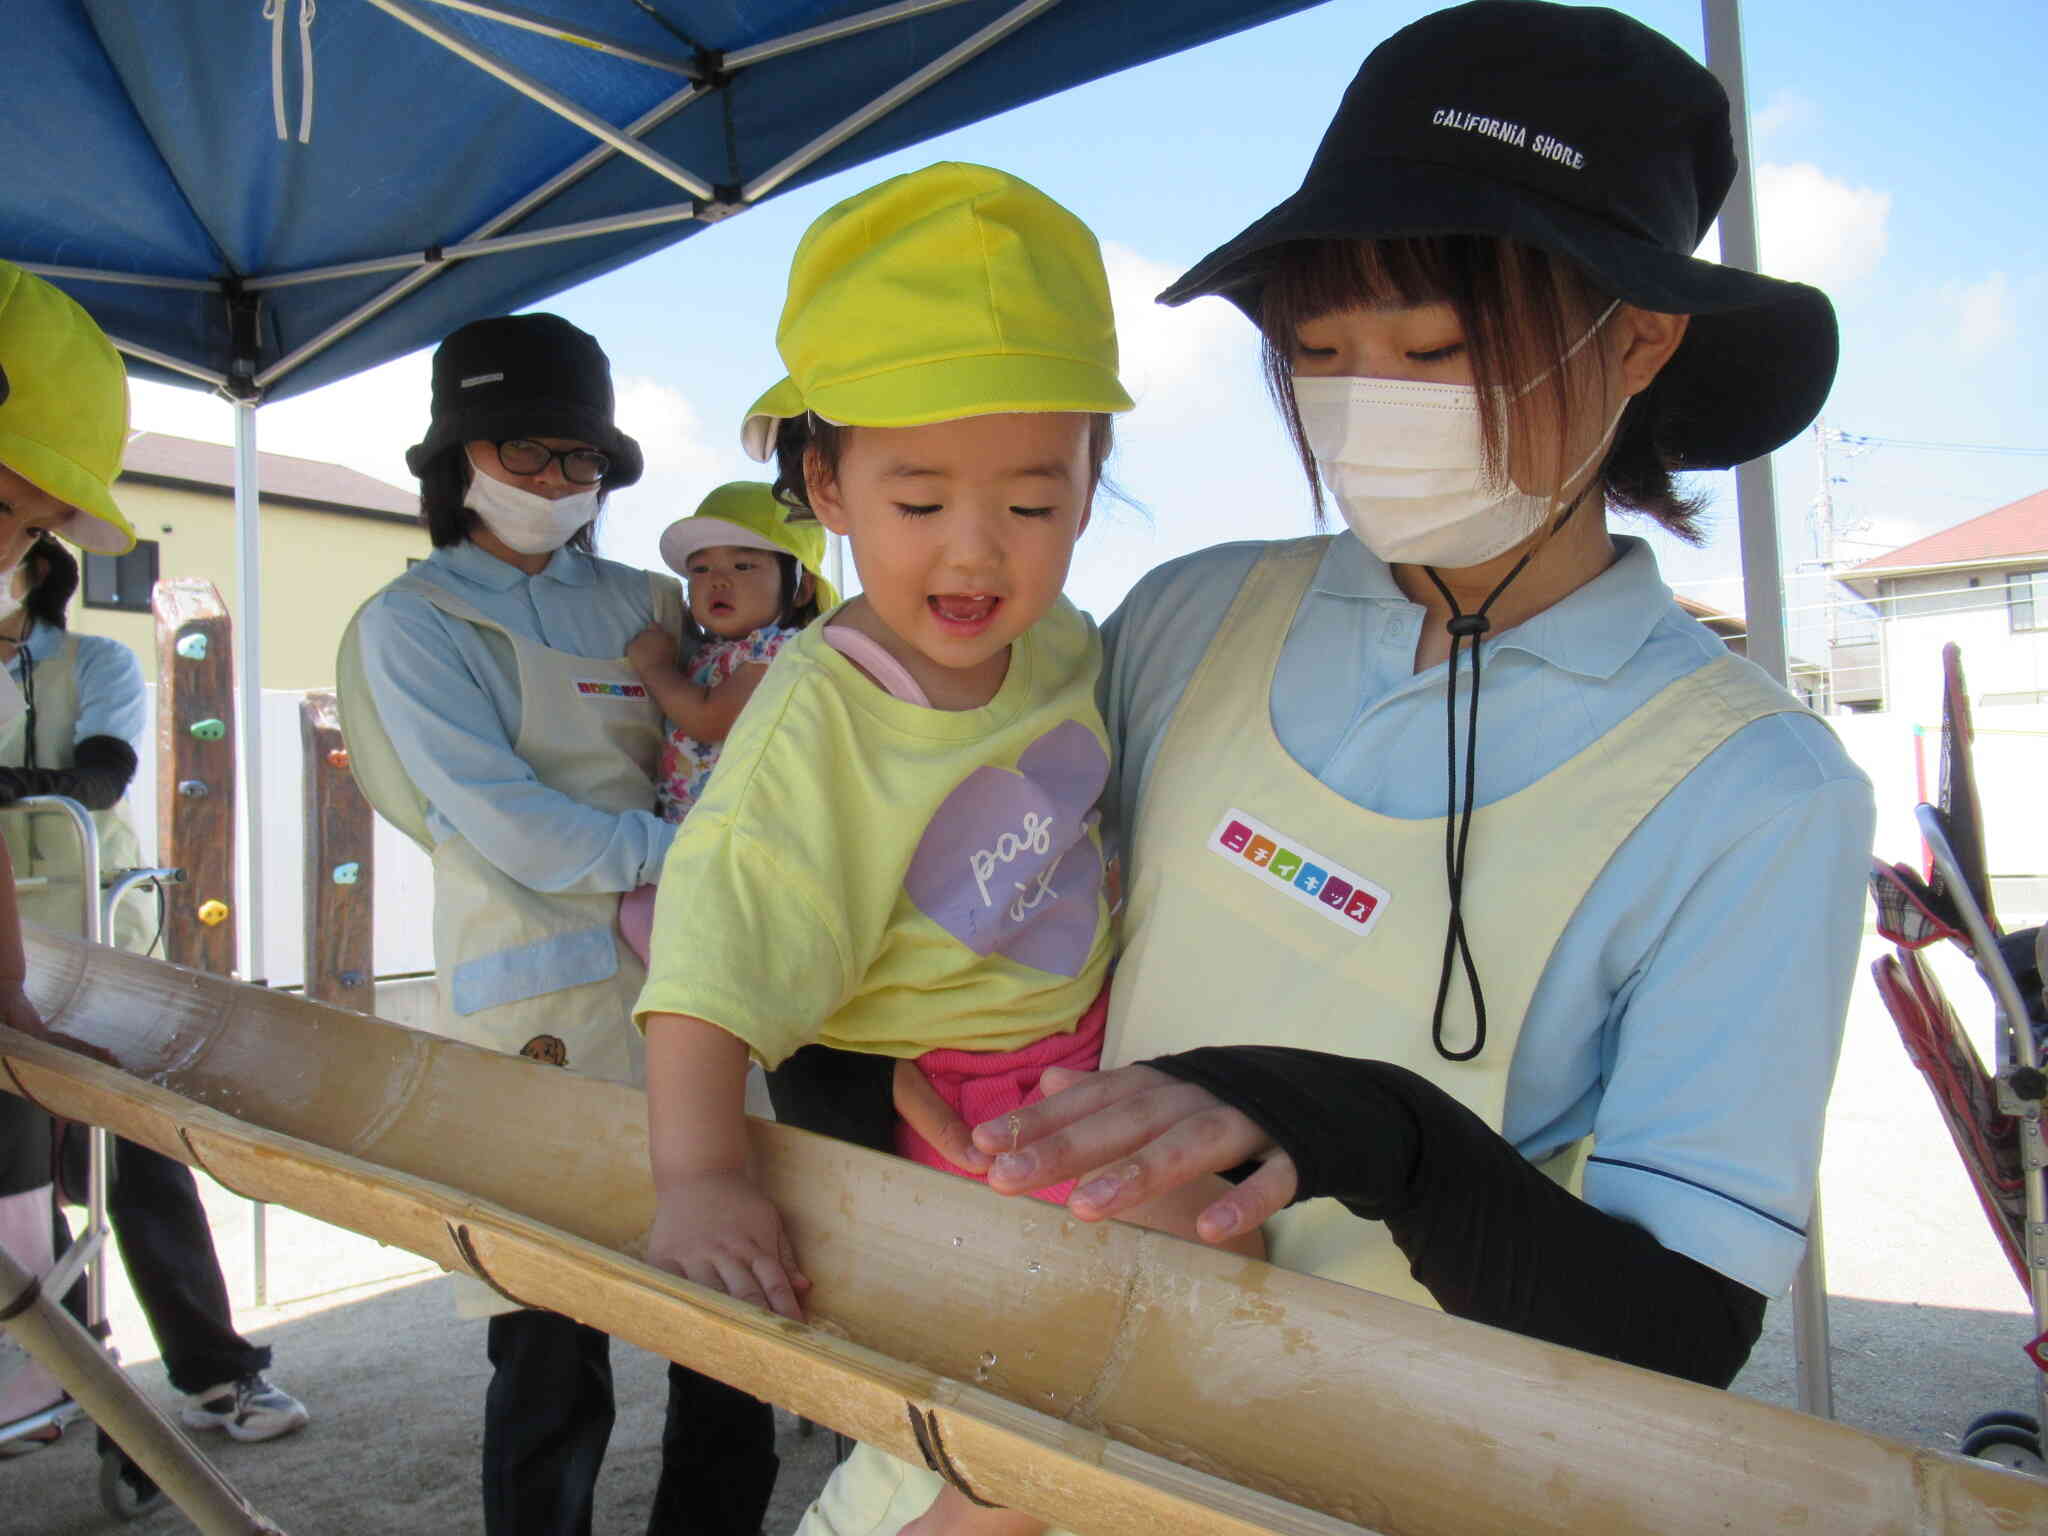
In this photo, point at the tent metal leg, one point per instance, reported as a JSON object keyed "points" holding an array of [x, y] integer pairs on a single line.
{"points": [[54, 1339], [1810, 1324], [249, 702]]}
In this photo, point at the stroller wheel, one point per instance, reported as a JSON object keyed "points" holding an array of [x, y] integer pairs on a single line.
{"points": [[125, 1489], [2007, 1446], [2003, 1416]]}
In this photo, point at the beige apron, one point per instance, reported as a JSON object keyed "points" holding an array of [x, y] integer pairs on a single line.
{"points": [[44, 846], [1266, 909], [518, 970], [526, 972]]}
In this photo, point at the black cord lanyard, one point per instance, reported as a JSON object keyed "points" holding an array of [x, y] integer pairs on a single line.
{"points": [[1464, 626], [28, 703]]}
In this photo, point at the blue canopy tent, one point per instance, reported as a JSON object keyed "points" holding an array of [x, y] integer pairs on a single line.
{"points": [[262, 198]]}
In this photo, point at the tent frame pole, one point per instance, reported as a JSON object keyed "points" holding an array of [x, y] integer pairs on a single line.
{"points": [[579, 34], [647, 122], [1763, 599], [164, 360], [833, 31], [667, 213], [249, 686], [912, 85], [131, 279], [556, 103]]}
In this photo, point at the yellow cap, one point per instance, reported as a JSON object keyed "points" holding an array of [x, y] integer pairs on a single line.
{"points": [[953, 291], [744, 514], [64, 418]]}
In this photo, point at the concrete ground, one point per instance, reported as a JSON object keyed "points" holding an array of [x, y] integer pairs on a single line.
{"points": [[1927, 1323]]}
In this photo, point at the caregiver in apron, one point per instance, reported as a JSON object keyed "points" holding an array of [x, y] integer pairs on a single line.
{"points": [[1485, 915], [492, 716]]}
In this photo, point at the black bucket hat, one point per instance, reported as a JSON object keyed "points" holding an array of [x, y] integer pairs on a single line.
{"points": [[524, 376], [1582, 132]]}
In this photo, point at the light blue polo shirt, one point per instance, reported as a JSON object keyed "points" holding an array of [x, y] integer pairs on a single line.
{"points": [[111, 701], [448, 694], [1691, 1013]]}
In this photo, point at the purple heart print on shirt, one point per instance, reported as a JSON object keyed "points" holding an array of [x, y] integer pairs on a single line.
{"points": [[1007, 864]]}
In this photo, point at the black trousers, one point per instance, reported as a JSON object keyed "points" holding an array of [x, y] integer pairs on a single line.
{"points": [[167, 1248], [548, 1415]]}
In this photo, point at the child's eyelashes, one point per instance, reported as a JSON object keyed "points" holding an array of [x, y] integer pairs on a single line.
{"points": [[1034, 511], [910, 510], [1441, 354]]}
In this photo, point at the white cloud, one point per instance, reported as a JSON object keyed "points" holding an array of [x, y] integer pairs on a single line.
{"points": [[683, 462], [365, 421], [1817, 229], [1987, 315], [1176, 363], [1785, 109]]}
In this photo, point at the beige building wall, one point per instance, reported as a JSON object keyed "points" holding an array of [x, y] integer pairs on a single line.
{"points": [[318, 567]]}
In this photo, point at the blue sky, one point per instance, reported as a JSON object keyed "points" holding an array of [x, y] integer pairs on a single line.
{"points": [[1897, 148]]}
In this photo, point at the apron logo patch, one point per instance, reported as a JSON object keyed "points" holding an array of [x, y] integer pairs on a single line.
{"points": [[1285, 864], [603, 688], [550, 1050]]}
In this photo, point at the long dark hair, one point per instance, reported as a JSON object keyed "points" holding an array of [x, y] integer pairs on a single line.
{"points": [[444, 483], [53, 573]]}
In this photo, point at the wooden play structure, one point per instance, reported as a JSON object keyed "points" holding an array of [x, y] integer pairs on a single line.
{"points": [[1116, 1381]]}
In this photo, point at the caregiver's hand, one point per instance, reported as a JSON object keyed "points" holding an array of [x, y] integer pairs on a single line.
{"points": [[1129, 1136]]}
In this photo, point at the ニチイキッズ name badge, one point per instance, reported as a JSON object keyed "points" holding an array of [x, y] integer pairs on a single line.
{"points": [[1289, 866], [607, 688]]}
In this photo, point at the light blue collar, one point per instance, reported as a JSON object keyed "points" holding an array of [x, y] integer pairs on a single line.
{"points": [[1592, 632], [569, 567]]}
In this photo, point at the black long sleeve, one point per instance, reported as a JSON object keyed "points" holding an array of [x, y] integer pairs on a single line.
{"points": [[847, 1095], [101, 770], [1489, 1235]]}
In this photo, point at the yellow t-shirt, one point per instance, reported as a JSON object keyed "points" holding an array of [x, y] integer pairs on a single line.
{"points": [[882, 877]]}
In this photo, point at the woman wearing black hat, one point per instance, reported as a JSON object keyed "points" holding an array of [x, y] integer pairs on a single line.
{"points": [[492, 716], [1523, 916]]}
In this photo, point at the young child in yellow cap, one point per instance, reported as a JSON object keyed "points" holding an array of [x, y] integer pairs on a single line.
{"points": [[898, 854], [754, 580]]}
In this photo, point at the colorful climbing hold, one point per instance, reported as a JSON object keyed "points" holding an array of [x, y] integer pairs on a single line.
{"points": [[337, 757], [348, 874], [192, 789], [192, 647], [213, 913], [208, 730]]}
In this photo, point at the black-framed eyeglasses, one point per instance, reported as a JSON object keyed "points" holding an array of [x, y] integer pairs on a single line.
{"points": [[580, 466]]}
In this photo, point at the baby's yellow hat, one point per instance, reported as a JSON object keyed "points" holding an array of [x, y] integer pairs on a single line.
{"points": [[744, 514], [953, 291], [63, 407]]}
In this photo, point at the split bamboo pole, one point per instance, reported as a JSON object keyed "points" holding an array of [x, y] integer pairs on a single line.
{"points": [[57, 1342], [1117, 1381]]}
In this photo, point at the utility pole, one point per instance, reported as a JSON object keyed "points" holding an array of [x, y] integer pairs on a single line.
{"points": [[1824, 552]]}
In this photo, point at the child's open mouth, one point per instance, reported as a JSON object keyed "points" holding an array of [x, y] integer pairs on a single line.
{"points": [[963, 613]]}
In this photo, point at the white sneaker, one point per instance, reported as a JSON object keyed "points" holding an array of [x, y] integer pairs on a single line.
{"points": [[249, 1409]]}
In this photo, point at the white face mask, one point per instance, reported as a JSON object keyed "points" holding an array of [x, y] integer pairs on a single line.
{"points": [[530, 524], [1407, 464]]}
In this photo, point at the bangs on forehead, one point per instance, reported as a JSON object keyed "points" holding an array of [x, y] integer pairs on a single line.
{"points": [[1309, 278]]}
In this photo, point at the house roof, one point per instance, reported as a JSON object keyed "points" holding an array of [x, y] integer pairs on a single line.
{"points": [[2012, 534], [157, 459]]}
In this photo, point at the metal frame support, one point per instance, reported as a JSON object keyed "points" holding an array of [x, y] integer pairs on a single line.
{"points": [[647, 122], [668, 213], [582, 36], [556, 103], [1763, 600], [913, 85]]}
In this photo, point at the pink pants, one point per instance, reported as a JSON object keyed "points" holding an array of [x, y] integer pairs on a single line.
{"points": [[985, 1085]]}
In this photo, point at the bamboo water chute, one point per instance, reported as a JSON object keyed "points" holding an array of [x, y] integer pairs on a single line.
{"points": [[1116, 1381]]}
